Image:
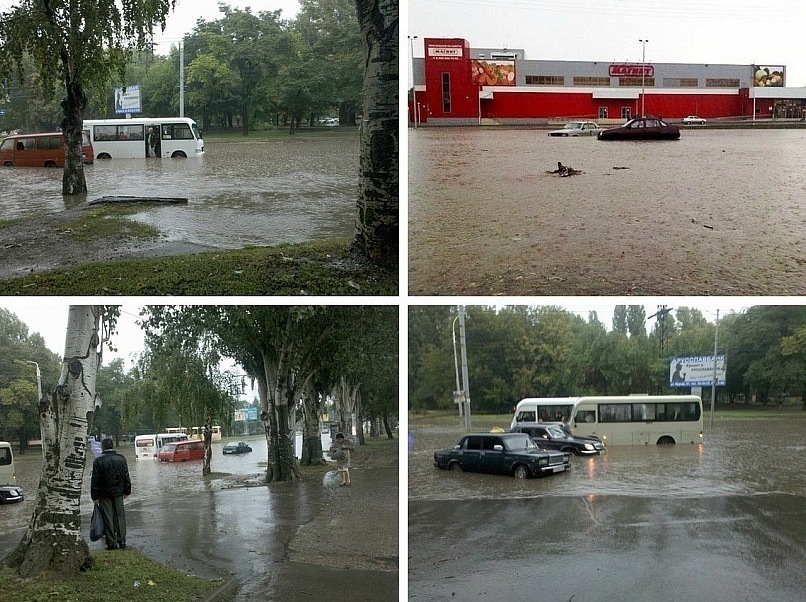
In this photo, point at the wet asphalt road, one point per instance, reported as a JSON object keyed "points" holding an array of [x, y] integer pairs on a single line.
{"points": [[725, 521], [593, 548]]}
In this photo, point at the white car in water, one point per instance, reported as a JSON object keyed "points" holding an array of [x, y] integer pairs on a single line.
{"points": [[693, 120], [578, 128]]}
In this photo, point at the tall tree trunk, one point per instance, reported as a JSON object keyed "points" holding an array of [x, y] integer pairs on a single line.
{"points": [[269, 419], [53, 541], [377, 222], [208, 446], [311, 435], [73, 105]]}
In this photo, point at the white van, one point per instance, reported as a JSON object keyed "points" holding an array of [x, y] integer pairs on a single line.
{"points": [[533, 410], [145, 447], [9, 492]]}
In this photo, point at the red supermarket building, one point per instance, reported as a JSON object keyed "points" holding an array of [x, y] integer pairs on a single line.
{"points": [[455, 84]]}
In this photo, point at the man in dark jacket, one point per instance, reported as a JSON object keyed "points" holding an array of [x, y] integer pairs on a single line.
{"points": [[110, 484]]}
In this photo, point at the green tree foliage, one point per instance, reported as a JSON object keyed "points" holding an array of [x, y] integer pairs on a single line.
{"points": [[518, 352], [18, 386], [76, 45]]}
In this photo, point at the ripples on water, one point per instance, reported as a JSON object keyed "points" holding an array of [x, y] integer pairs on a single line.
{"points": [[280, 191], [741, 457]]}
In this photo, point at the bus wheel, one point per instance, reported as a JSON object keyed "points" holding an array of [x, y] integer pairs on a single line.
{"points": [[665, 441], [179, 155], [103, 156], [8, 164], [50, 164], [520, 472]]}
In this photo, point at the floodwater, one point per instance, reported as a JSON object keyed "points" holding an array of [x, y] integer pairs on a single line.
{"points": [[251, 533], [286, 190], [725, 520], [719, 212]]}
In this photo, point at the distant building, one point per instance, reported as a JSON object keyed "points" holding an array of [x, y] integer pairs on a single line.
{"points": [[459, 85]]}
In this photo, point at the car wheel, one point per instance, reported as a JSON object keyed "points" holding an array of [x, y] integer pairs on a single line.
{"points": [[520, 472], [456, 467], [665, 441]]}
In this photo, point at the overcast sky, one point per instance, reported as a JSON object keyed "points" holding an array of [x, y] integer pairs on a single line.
{"points": [[183, 18], [685, 31], [49, 318]]}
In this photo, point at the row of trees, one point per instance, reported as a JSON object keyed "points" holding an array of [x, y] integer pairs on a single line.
{"points": [[243, 70], [518, 352], [300, 357]]}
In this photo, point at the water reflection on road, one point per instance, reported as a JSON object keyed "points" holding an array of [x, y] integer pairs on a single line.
{"points": [[742, 457], [287, 190]]}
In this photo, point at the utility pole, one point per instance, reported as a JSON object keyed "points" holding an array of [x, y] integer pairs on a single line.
{"points": [[713, 382], [181, 79], [465, 381]]}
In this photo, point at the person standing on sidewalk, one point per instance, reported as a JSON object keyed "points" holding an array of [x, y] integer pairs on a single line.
{"points": [[109, 485], [340, 451]]}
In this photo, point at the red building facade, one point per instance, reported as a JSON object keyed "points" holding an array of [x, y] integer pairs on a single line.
{"points": [[458, 85]]}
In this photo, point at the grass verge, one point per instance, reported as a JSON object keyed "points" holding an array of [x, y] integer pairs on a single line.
{"points": [[318, 268], [123, 575]]}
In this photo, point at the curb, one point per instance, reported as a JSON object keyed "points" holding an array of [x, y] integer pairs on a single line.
{"points": [[225, 591]]}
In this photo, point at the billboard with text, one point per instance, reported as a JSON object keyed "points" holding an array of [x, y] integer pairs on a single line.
{"points": [[696, 371]]}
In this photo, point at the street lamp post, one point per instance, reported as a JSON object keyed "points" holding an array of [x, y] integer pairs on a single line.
{"points": [[38, 380], [413, 83], [456, 364], [643, 77]]}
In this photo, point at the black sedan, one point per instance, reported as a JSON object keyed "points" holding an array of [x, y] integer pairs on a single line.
{"points": [[513, 454], [10, 494], [552, 436], [237, 448], [642, 128]]}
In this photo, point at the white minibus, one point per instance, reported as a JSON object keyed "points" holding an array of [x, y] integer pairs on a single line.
{"points": [[636, 419], [128, 138]]}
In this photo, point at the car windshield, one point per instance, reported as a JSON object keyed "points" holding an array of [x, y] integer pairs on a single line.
{"points": [[519, 443], [555, 430], [573, 126]]}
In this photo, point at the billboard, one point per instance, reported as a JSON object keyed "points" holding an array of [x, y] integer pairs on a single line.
{"points": [[492, 73], [765, 76], [696, 371], [127, 100], [445, 52]]}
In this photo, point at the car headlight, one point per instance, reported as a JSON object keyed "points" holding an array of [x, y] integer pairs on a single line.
{"points": [[543, 462], [588, 446]]}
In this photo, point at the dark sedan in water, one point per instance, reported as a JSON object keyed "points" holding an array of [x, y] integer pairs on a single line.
{"points": [[552, 436], [236, 448], [642, 128], [513, 454]]}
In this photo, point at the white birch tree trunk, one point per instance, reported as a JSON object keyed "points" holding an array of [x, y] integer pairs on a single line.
{"points": [[53, 542]]}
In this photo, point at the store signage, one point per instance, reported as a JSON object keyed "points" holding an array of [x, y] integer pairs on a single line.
{"points": [[632, 71], [446, 52]]}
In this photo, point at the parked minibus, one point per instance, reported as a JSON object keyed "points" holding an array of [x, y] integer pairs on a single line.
{"points": [[40, 150], [181, 451]]}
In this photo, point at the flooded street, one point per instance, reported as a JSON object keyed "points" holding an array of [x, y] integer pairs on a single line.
{"points": [[286, 190], [721, 521], [717, 212], [266, 537]]}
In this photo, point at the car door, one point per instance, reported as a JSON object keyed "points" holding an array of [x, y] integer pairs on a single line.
{"points": [[469, 454], [492, 460]]}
